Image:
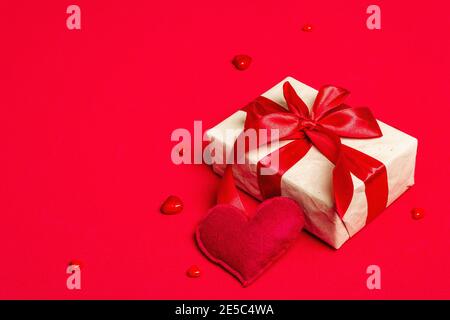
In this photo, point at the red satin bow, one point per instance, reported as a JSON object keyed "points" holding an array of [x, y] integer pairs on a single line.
{"points": [[322, 128]]}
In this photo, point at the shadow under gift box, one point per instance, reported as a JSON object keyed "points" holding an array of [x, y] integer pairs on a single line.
{"points": [[309, 181]]}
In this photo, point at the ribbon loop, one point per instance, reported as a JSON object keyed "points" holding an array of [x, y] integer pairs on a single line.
{"points": [[350, 122], [328, 98], [293, 101]]}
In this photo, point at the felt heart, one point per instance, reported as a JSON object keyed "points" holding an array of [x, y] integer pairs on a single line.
{"points": [[247, 247]]}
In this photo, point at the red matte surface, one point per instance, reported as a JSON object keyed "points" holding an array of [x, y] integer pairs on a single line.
{"points": [[85, 124]]}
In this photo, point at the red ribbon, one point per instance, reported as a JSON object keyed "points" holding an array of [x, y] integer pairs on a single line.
{"points": [[329, 120]]}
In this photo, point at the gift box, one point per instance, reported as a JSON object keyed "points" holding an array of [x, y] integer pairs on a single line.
{"points": [[380, 169]]}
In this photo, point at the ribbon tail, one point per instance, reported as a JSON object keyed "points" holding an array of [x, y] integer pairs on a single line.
{"points": [[228, 193], [374, 175], [377, 193], [342, 187], [272, 167]]}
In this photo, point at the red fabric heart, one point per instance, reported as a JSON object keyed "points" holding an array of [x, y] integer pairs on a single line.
{"points": [[247, 247]]}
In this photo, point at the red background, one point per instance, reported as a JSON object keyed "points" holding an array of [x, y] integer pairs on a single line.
{"points": [[86, 118]]}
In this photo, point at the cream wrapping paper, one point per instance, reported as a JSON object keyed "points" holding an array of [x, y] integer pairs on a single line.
{"points": [[309, 181]]}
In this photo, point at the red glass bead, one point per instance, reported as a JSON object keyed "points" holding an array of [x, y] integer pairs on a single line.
{"points": [[418, 213], [193, 272], [75, 262], [172, 205], [242, 61], [307, 28]]}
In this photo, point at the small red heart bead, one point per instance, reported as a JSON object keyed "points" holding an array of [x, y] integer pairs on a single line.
{"points": [[75, 262], [418, 213], [172, 205], [242, 61], [193, 272], [307, 28]]}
